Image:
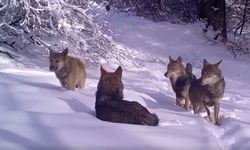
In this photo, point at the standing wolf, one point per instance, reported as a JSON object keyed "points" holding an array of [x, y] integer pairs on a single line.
{"points": [[69, 71], [110, 105], [208, 90], [180, 78]]}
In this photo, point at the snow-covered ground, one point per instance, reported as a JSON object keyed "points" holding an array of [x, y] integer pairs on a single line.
{"points": [[35, 113]]}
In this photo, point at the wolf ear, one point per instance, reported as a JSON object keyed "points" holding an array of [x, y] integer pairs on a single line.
{"points": [[205, 62], [179, 60], [103, 72], [51, 52], [65, 52], [170, 58], [119, 71], [218, 63]]}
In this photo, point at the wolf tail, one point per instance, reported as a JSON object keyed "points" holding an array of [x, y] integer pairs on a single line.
{"points": [[122, 111], [189, 71]]}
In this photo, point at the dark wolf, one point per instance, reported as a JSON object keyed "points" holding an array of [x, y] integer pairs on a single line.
{"points": [[180, 78], [208, 90], [111, 107]]}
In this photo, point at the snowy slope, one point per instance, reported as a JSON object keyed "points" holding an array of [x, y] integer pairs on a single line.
{"points": [[37, 114]]}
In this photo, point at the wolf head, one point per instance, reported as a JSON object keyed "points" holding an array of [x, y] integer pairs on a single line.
{"points": [[110, 84], [175, 68], [210, 73], [189, 68], [57, 60], [114, 76]]}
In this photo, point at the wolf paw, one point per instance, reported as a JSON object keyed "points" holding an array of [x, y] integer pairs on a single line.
{"points": [[63, 89], [187, 108]]}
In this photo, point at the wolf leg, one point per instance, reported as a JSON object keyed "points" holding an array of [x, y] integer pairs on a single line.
{"points": [[71, 85], [82, 83], [195, 108], [208, 113], [178, 101], [187, 103], [216, 113], [62, 82]]}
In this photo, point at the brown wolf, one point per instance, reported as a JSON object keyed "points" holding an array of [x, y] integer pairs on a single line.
{"points": [[208, 90], [70, 71], [180, 80], [110, 105]]}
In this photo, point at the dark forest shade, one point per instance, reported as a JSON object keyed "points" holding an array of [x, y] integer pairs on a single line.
{"points": [[214, 11]]}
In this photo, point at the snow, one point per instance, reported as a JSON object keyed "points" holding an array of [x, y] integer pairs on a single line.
{"points": [[36, 113]]}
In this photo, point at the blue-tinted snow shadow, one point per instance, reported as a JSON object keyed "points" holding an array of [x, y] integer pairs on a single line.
{"points": [[160, 101], [19, 79], [234, 128], [156, 99], [19, 140], [44, 85], [77, 106], [41, 131], [46, 132]]}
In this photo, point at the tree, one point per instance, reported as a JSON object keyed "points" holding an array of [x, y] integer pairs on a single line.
{"points": [[33, 27], [214, 11], [157, 10], [238, 18]]}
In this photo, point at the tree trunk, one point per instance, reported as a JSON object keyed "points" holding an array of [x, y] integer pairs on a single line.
{"points": [[244, 17], [214, 11]]}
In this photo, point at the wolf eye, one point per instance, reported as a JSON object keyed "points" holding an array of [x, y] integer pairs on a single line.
{"points": [[57, 61], [208, 74]]}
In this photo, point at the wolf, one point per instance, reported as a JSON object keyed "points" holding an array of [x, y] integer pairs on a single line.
{"points": [[70, 71], [208, 90], [180, 78], [111, 107], [189, 71]]}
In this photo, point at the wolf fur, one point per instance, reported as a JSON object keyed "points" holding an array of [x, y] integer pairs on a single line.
{"points": [[180, 78], [111, 107], [208, 90], [70, 71], [189, 71]]}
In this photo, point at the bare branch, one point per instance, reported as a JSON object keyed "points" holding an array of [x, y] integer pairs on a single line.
{"points": [[8, 54]]}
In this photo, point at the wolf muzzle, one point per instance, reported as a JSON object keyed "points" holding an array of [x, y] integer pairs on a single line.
{"points": [[166, 75], [203, 81], [52, 68]]}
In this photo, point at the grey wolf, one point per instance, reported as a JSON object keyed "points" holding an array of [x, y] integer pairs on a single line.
{"points": [[180, 80], [111, 107], [70, 71], [208, 90]]}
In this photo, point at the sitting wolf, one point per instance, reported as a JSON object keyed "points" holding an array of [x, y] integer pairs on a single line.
{"points": [[208, 90], [110, 105]]}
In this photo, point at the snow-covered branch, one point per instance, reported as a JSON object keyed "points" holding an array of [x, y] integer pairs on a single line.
{"points": [[43, 25]]}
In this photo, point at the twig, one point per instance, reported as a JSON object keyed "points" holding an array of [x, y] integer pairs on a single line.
{"points": [[244, 17], [8, 54], [11, 44]]}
